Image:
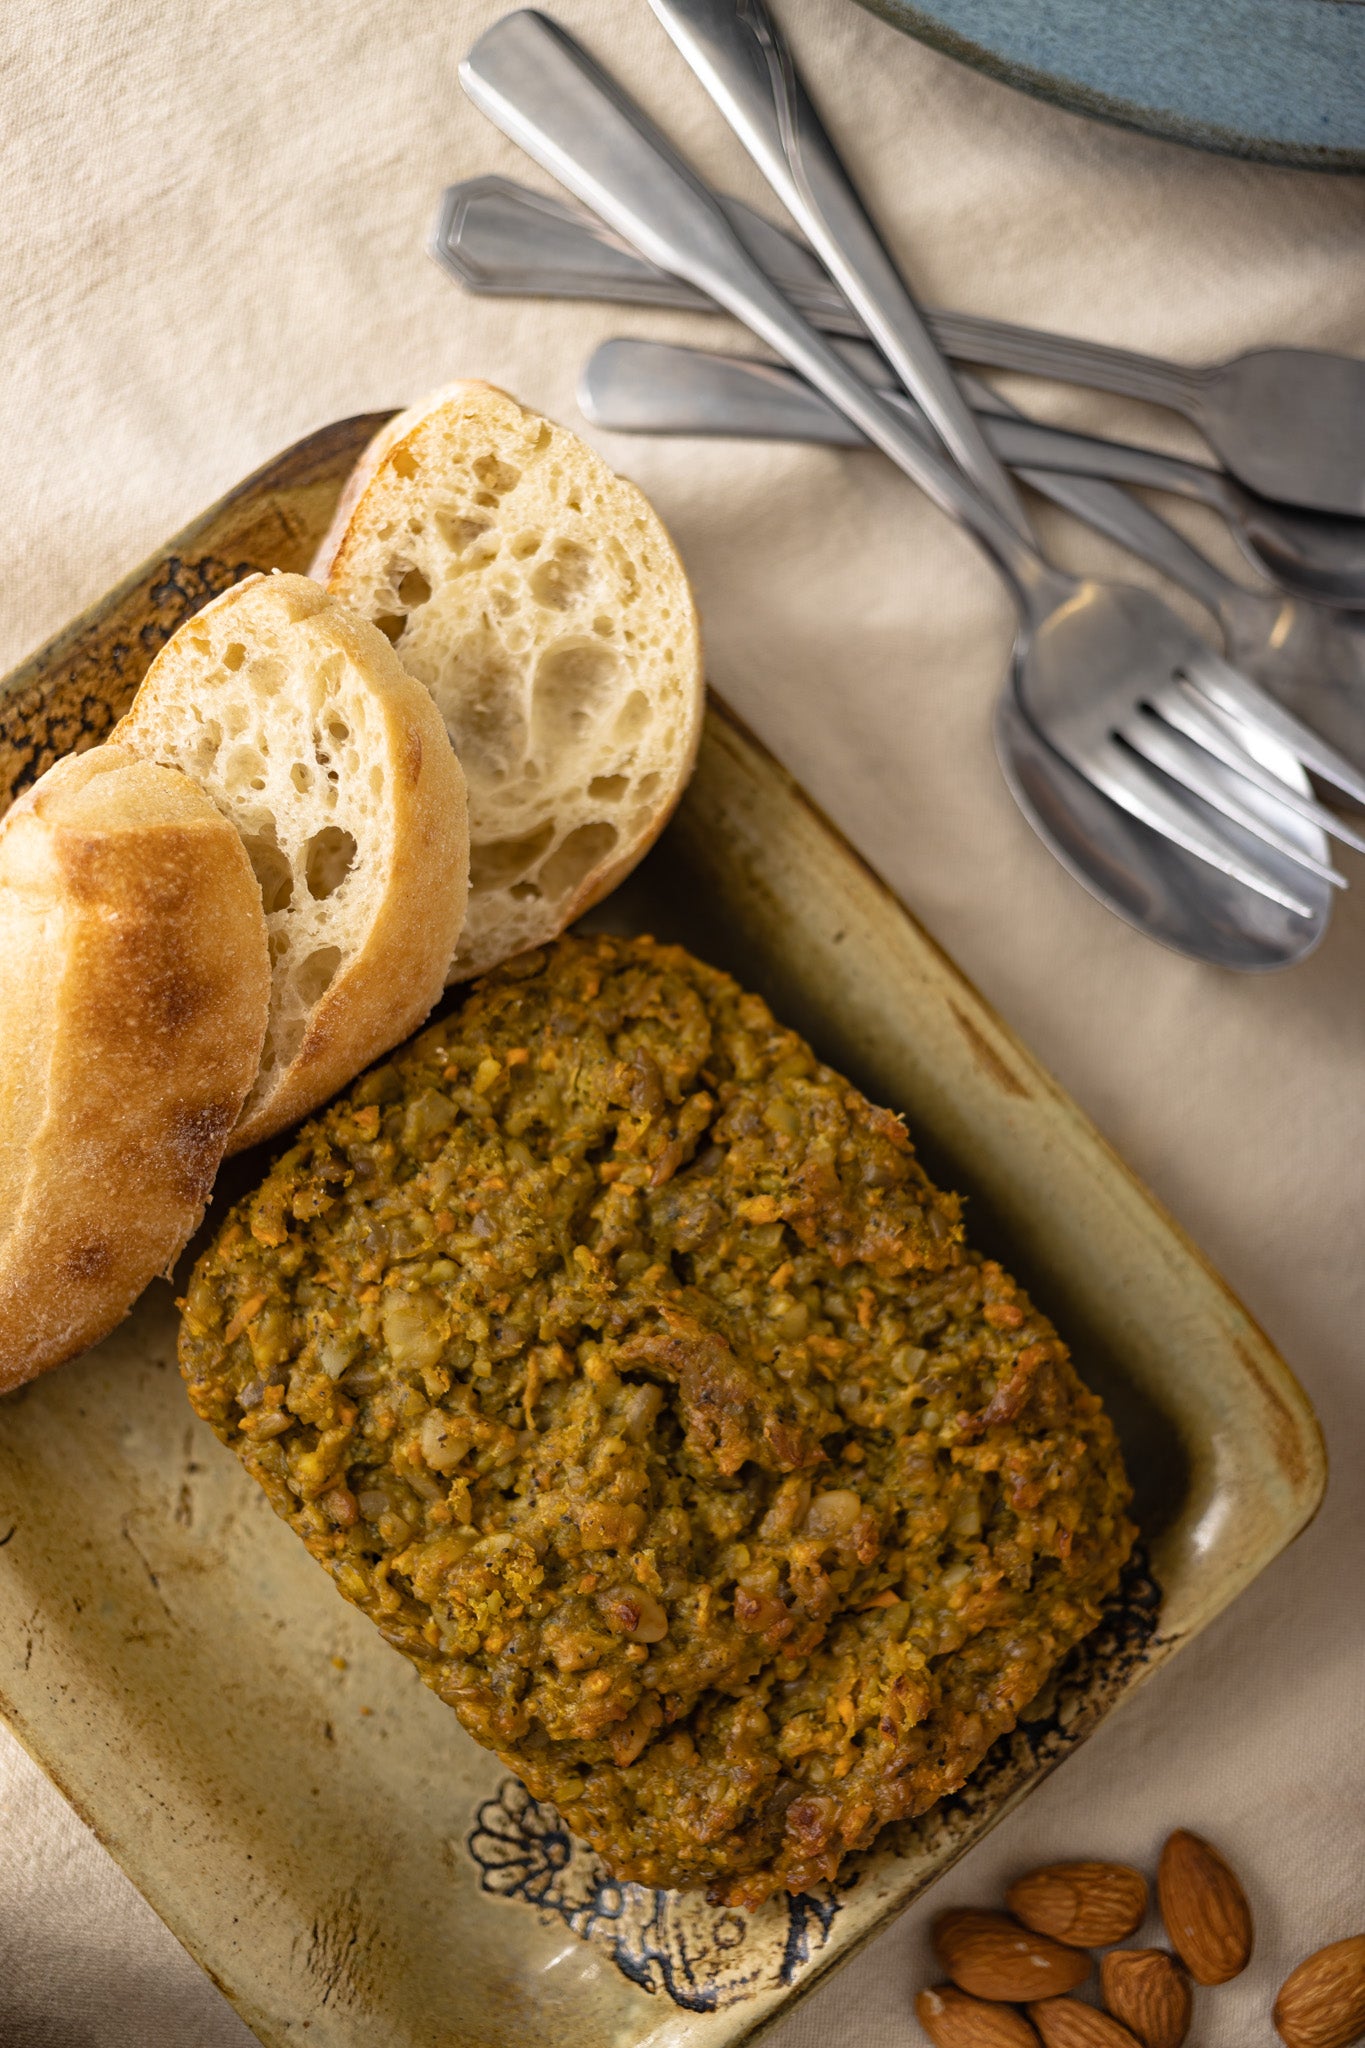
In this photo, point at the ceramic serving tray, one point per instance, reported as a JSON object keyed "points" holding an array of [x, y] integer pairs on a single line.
{"points": [[310, 1821]]}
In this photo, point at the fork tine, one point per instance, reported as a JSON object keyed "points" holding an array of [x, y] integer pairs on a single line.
{"points": [[1182, 707], [1127, 781], [1235, 692], [1196, 771]]}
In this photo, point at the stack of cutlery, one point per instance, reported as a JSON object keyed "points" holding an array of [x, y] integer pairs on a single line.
{"points": [[1172, 779]]}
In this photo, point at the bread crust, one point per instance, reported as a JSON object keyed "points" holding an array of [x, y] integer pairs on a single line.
{"points": [[405, 475], [389, 989], [134, 984], [406, 924]]}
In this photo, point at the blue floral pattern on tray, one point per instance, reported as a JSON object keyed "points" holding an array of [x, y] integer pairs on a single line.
{"points": [[701, 1956]]}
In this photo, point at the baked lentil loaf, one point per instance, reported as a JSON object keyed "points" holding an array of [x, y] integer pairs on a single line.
{"points": [[621, 1362]]}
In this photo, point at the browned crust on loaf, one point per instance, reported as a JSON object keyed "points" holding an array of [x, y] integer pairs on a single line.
{"points": [[133, 988], [331, 552], [390, 989], [390, 985]]}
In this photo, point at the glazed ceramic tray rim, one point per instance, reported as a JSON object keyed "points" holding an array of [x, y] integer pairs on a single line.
{"points": [[1135, 67], [1015, 1097]]}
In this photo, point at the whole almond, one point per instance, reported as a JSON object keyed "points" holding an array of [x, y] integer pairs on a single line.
{"points": [[1149, 1991], [993, 1957], [953, 2020], [1205, 1909], [1322, 2003], [1066, 2023], [1088, 1905]]}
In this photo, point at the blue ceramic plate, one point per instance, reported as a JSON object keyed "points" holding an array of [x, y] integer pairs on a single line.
{"points": [[1279, 80]]}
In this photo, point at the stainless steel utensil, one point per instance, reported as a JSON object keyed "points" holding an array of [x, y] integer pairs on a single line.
{"points": [[1130, 654], [1311, 656], [495, 236], [739, 53], [1289, 422]]}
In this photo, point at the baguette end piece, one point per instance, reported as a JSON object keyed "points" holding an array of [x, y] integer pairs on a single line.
{"points": [[134, 986]]}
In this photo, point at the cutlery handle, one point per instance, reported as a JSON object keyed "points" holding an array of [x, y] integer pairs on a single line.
{"points": [[1063, 467], [495, 236], [654, 387], [1119, 462], [498, 238], [543, 90], [1002, 346], [741, 57], [1110, 510]]}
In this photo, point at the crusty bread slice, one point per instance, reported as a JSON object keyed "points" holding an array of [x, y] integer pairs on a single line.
{"points": [[300, 722], [538, 597], [134, 987]]}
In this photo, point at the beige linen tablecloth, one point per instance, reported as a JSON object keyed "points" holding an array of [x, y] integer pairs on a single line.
{"points": [[213, 229]]}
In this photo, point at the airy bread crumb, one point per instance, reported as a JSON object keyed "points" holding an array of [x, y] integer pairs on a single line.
{"points": [[538, 597], [298, 720]]}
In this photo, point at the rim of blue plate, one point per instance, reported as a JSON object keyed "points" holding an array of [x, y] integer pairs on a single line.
{"points": [[1276, 81]]}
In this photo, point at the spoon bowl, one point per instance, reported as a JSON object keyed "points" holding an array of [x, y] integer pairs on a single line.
{"points": [[1290, 422], [655, 387], [547, 94], [1310, 554], [1139, 876]]}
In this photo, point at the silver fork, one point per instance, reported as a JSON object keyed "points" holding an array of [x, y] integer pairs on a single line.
{"points": [[741, 57], [495, 236], [1310, 656], [1083, 645]]}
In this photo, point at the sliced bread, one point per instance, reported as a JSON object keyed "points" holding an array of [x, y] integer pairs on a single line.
{"points": [[538, 597], [299, 721], [134, 988]]}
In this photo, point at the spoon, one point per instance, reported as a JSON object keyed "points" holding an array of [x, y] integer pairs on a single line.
{"points": [[1085, 679], [1310, 655], [537, 85], [1289, 422], [495, 236]]}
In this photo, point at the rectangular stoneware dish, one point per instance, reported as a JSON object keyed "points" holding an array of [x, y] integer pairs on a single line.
{"points": [[314, 1825]]}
